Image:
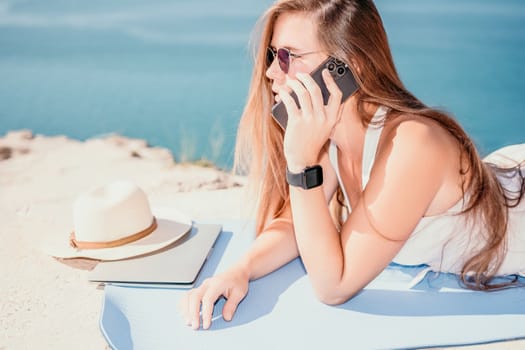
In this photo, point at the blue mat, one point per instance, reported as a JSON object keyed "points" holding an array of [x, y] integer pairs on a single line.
{"points": [[282, 312]]}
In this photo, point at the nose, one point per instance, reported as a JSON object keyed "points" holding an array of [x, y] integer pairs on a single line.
{"points": [[274, 72]]}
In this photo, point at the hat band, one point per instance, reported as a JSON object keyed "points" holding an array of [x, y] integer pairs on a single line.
{"points": [[111, 244]]}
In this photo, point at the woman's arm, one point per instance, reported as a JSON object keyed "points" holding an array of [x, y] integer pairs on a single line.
{"points": [[272, 248], [406, 176]]}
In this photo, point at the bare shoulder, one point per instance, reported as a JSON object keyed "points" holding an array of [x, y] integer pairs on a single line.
{"points": [[415, 128], [413, 165], [422, 148], [419, 136]]}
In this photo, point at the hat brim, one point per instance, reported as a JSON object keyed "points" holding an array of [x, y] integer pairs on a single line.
{"points": [[172, 225]]}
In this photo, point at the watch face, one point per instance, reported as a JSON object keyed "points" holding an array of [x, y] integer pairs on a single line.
{"points": [[313, 177]]}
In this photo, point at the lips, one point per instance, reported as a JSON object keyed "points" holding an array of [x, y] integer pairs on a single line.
{"points": [[276, 97]]}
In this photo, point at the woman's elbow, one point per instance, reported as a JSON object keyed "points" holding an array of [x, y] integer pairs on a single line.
{"points": [[335, 298]]}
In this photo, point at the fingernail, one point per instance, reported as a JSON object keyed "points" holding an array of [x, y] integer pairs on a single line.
{"points": [[195, 325]]}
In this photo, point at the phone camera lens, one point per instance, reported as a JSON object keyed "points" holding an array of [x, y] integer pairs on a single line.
{"points": [[331, 67], [341, 71], [338, 62]]}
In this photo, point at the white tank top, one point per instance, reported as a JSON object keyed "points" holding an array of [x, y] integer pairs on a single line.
{"points": [[445, 241]]}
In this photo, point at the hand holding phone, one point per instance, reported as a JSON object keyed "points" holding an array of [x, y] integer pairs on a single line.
{"points": [[343, 78]]}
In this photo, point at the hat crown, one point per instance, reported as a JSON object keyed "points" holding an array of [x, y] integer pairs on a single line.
{"points": [[111, 212]]}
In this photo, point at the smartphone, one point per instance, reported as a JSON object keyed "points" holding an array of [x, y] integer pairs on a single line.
{"points": [[343, 78]]}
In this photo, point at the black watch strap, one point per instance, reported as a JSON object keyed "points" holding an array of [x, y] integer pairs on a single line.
{"points": [[310, 177]]}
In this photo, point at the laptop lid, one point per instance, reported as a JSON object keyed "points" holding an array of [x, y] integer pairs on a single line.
{"points": [[177, 265]]}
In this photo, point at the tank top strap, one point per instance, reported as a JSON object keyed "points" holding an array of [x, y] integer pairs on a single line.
{"points": [[372, 136], [332, 155]]}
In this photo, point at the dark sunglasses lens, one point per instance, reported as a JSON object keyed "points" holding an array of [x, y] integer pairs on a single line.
{"points": [[269, 57], [284, 59]]}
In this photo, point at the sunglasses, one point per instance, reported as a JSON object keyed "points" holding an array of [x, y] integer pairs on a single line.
{"points": [[284, 57]]}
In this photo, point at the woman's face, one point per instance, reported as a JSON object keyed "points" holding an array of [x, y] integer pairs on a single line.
{"points": [[296, 32]]}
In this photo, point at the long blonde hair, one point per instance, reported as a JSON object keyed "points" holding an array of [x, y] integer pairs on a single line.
{"points": [[352, 31]]}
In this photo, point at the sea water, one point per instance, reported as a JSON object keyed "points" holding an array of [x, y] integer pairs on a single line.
{"points": [[176, 73]]}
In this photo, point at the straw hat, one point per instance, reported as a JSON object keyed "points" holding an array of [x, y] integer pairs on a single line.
{"points": [[116, 222]]}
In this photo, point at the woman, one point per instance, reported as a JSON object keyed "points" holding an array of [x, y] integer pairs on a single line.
{"points": [[404, 181]]}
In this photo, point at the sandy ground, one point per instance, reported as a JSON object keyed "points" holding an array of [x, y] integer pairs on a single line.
{"points": [[47, 303]]}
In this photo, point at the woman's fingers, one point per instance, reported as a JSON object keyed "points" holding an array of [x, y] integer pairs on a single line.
{"points": [[289, 103], [311, 98], [198, 304], [303, 95], [233, 300], [316, 97], [208, 301], [194, 307]]}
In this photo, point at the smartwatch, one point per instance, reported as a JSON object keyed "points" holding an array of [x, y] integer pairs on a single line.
{"points": [[310, 177]]}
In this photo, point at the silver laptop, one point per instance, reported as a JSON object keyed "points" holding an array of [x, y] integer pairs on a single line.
{"points": [[177, 265]]}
